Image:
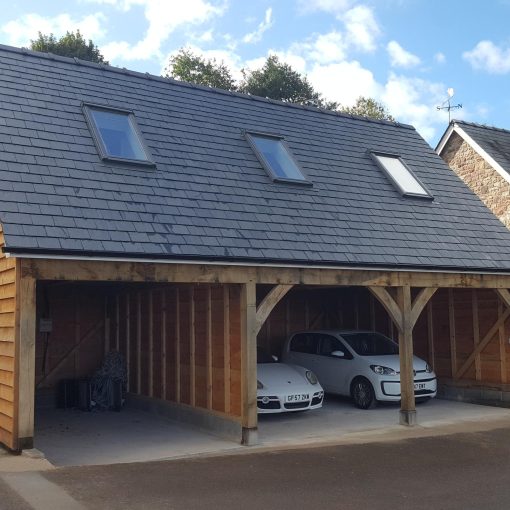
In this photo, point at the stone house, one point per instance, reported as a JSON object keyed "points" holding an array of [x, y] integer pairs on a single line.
{"points": [[480, 156]]}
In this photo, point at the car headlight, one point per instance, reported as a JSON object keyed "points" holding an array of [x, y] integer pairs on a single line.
{"points": [[428, 368], [380, 370], [259, 385], [311, 377]]}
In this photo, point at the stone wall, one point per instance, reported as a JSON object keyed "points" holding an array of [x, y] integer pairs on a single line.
{"points": [[493, 190]]}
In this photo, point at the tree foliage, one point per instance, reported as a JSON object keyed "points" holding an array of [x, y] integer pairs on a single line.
{"points": [[69, 45], [368, 107], [275, 80], [186, 66]]}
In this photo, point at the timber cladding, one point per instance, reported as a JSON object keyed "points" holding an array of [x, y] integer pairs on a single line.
{"points": [[182, 343], [7, 348]]}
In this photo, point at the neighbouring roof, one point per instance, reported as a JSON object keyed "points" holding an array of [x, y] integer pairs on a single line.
{"points": [[209, 197], [491, 143]]}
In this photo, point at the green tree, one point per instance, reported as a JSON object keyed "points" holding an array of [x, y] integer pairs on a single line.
{"points": [[368, 107], [277, 80], [186, 66], [70, 45]]}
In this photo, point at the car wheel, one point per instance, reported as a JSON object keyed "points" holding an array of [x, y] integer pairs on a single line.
{"points": [[363, 393]]}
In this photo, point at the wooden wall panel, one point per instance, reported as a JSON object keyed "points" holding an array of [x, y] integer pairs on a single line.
{"points": [[189, 346], [75, 347], [218, 341], [7, 348], [171, 340], [201, 345], [235, 350]]}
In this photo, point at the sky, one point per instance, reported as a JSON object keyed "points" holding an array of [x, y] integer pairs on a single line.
{"points": [[405, 54]]}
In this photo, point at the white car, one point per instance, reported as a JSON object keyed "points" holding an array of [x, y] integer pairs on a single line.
{"points": [[282, 388], [364, 365]]}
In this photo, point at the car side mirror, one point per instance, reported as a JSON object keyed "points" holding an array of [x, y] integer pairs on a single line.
{"points": [[338, 354], [275, 358]]}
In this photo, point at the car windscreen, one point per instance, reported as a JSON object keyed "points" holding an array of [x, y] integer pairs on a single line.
{"points": [[370, 344], [264, 357]]}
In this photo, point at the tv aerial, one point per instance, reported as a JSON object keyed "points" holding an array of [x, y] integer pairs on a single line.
{"points": [[447, 104]]}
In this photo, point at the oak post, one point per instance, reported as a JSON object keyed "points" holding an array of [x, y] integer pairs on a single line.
{"points": [[25, 340], [405, 337], [249, 363]]}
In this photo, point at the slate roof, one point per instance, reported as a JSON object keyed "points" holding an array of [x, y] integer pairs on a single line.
{"points": [[494, 141], [209, 198]]}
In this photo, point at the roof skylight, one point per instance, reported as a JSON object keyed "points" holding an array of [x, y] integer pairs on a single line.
{"points": [[116, 135], [400, 175], [276, 158]]}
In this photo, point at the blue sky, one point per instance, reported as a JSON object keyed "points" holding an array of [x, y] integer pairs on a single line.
{"points": [[404, 53]]}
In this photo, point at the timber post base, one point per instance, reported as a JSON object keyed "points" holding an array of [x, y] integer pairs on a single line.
{"points": [[407, 418], [250, 436]]}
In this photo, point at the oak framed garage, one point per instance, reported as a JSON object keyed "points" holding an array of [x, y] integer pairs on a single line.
{"points": [[181, 249], [199, 294]]}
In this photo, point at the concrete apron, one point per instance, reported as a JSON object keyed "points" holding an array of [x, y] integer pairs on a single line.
{"points": [[70, 437]]}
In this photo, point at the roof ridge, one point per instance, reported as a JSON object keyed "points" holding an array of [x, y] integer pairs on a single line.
{"points": [[138, 74], [477, 124]]}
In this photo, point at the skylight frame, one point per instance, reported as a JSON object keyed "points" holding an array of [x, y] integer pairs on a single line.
{"points": [[267, 167], [427, 195], [98, 139]]}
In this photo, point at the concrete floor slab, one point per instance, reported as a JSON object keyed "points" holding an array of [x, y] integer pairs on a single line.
{"points": [[338, 418], [71, 437]]}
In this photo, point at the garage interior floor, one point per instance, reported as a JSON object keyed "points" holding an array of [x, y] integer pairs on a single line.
{"points": [[71, 437]]}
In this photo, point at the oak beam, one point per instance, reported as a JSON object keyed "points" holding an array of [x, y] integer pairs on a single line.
{"points": [[390, 305], [274, 296], [95, 270], [420, 301]]}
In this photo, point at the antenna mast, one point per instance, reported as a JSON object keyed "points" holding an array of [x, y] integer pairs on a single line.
{"points": [[446, 105]]}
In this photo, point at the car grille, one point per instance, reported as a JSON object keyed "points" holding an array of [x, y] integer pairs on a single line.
{"points": [[297, 405], [316, 400], [272, 404]]}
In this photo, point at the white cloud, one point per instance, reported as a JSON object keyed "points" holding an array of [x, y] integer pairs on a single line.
{"points": [[322, 48], [336, 7], [486, 56], [163, 19], [440, 58], [414, 101], [362, 29], [344, 82], [400, 57], [264, 25], [21, 31]]}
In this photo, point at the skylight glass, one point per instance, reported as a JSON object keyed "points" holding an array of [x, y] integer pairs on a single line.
{"points": [[117, 135], [276, 158], [401, 175]]}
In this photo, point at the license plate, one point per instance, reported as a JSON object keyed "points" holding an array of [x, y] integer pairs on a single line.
{"points": [[298, 398], [419, 386]]}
